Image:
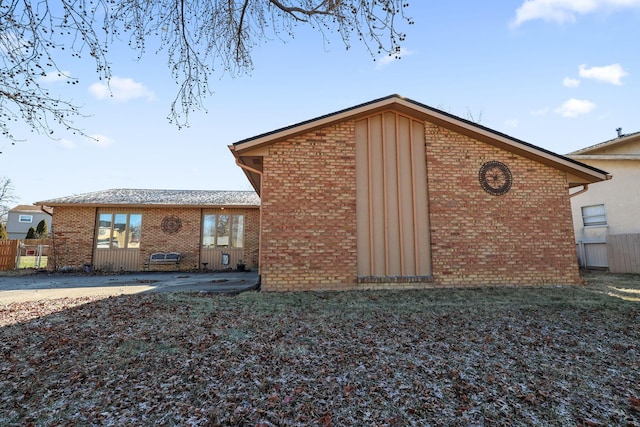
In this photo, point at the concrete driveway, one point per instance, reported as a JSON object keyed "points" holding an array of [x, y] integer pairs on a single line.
{"points": [[50, 286]]}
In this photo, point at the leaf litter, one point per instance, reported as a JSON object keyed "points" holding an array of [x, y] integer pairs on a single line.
{"points": [[475, 357]]}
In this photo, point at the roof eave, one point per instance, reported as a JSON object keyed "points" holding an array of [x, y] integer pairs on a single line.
{"points": [[607, 144], [151, 205], [432, 115]]}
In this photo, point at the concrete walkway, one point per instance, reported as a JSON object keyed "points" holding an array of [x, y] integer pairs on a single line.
{"points": [[50, 286]]}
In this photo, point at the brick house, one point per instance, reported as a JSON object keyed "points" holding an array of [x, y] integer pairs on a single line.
{"points": [[118, 230], [395, 194]]}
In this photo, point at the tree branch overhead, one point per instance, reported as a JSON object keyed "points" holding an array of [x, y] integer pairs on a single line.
{"points": [[200, 39]]}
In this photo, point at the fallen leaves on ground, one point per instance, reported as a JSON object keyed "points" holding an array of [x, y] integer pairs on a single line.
{"points": [[504, 357]]}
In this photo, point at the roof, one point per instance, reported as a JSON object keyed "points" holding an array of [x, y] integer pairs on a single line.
{"points": [[139, 197], [246, 149], [29, 208], [606, 146]]}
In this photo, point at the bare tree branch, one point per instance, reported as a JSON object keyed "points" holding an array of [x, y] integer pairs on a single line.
{"points": [[6, 197], [201, 39]]}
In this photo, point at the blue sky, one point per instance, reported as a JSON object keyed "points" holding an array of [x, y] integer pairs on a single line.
{"points": [[559, 74]]}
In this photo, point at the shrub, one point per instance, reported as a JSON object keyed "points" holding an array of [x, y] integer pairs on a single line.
{"points": [[41, 229], [31, 234]]}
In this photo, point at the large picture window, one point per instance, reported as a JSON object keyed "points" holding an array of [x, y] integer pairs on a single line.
{"points": [[594, 216], [119, 231], [222, 231]]}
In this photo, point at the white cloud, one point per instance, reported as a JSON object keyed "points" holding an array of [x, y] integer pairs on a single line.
{"points": [[55, 76], [388, 59], [609, 73], [562, 11], [100, 140], [66, 143], [540, 112], [121, 90], [574, 107], [512, 123], [569, 82]]}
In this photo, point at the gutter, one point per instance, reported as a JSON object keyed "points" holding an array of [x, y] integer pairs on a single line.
{"points": [[258, 172], [247, 167], [585, 188]]}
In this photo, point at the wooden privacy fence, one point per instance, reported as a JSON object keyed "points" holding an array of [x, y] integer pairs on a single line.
{"points": [[623, 252], [8, 254]]}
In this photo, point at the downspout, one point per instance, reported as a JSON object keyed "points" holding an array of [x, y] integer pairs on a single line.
{"points": [[259, 172], [585, 187], [581, 255], [53, 240], [247, 167]]}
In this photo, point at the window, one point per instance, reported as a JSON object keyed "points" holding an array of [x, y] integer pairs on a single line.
{"points": [[25, 218], [119, 231], [594, 216], [222, 231]]}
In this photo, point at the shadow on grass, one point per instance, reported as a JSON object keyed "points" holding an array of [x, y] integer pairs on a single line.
{"points": [[535, 356], [622, 286]]}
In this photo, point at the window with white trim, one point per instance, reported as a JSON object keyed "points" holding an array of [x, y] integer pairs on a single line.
{"points": [[594, 216], [25, 218]]}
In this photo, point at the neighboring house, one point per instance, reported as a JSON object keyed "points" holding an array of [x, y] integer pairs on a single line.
{"points": [[395, 194], [118, 230], [23, 217], [605, 217]]}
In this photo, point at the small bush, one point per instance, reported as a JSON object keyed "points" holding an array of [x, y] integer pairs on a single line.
{"points": [[31, 234], [42, 230]]}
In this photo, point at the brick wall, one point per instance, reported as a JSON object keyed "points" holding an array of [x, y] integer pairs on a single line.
{"points": [[308, 212], [74, 231], [524, 237], [251, 237], [72, 236], [186, 240]]}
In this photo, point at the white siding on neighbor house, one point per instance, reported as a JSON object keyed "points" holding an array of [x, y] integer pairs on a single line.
{"points": [[17, 229], [620, 197]]}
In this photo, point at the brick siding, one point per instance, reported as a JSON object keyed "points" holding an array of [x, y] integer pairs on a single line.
{"points": [[524, 237], [309, 212], [74, 231], [72, 236]]}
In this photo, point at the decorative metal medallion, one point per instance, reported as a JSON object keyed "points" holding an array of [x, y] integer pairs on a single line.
{"points": [[495, 178], [171, 224]]}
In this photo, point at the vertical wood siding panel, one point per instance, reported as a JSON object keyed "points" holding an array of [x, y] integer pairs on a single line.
{"points": [[406, 191], [392, 204], [395, 184], [363, 212], [376, 172]]}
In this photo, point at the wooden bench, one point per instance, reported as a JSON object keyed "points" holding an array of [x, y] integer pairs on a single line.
{"points": [[163, 258]]}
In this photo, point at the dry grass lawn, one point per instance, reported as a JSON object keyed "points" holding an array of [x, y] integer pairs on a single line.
{"points": [[565, 356]]}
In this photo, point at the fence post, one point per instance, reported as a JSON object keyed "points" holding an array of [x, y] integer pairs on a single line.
{"points": [[20, 246]]}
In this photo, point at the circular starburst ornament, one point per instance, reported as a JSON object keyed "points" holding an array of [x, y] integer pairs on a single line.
{"points": [[171, 224], [495, 178]]}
